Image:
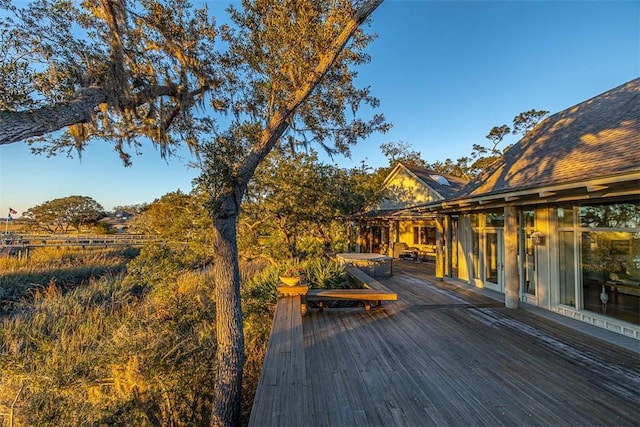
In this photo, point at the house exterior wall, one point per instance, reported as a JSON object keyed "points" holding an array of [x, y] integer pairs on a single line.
{"points": [[587, 267], [405, 191]]}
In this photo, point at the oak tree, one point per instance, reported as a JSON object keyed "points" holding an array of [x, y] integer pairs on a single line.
{"points": [[296, 206], [59, 215], [280, 72], [293, 83]]}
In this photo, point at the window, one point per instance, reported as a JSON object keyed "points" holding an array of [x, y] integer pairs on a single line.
{"points": [[565, 216], [440, 180], [494, 219], [616, 215], [424, 235], [599, 259], [567, 270], [529, 255]]}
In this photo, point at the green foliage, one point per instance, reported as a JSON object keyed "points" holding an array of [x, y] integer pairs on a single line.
{"points": [[527, 120], [325, 274], [276, 49], [102, 228], [496, 134], [176, 217], [161, 263], [296, 205], [341, 241], [40, 36], [308, 246], [131, 210], [458, 168], [260, 294], [59, 215], [401, 152], [140, 72]]}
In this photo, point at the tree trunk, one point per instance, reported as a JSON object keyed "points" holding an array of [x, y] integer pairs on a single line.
{"points": [[230, 352]]}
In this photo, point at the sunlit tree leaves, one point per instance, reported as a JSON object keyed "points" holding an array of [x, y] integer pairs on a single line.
{"points": [[59, 215], [282, 73]]}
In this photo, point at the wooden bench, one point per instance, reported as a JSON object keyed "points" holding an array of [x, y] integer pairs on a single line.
{"points": [[371, 291]]}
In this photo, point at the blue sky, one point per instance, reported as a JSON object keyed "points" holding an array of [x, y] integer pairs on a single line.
{"points": [[445, 72]]}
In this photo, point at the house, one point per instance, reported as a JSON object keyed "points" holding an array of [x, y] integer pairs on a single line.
{"points": [[555, 222], [393, 227]]}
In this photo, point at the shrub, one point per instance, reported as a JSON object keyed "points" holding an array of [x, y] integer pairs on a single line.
{"points": [[161, 263], [325, 274]]}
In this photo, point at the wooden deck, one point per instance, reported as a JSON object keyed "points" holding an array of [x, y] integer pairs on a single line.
{"points": [[443, 354]]}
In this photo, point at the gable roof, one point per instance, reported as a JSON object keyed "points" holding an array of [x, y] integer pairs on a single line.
{"points": [[446, 188], [597, 138]]}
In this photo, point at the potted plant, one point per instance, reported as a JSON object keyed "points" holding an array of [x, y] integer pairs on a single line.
{"points": [[293, 276]]}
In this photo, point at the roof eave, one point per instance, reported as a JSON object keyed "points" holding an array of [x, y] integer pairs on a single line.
{"points": [[604, 187]]}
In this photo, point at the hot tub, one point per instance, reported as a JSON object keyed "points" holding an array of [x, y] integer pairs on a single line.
{"points": [[372, 264]]}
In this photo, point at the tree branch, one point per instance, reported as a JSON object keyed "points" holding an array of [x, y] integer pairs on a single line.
{"points": [[16, 126], [19, 125], [280, 120]]}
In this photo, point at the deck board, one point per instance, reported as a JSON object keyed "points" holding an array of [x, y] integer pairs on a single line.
{"points": [[443, 354]]}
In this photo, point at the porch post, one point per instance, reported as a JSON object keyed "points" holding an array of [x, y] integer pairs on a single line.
{"points": [[448, 269], [392, 238], [511, 280], [440, 256], [396, 228]]}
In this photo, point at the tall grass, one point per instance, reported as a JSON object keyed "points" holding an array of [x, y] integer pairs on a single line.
{"points": [[100, 354], [61, 266], [44, 259], [131, 348]]}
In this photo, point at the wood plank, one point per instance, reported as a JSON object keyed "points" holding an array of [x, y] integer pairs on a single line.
{"points": [[281, 388], [365, 280], [352, 294], [446, 355]]}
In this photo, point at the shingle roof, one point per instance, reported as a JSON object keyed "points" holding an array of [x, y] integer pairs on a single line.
{"points": [[597, 138], [427, 176]]}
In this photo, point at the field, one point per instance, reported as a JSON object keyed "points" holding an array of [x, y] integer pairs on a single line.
{"points": [[104, 337]]}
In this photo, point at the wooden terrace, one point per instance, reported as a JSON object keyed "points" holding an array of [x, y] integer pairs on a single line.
{"points": [[442, 354]]}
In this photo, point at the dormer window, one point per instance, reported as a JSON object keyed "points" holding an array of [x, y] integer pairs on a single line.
{"points": [[440, 180]]}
